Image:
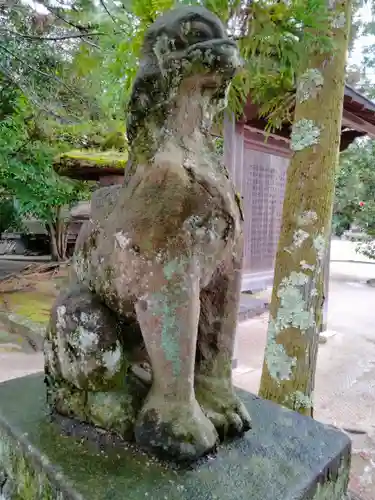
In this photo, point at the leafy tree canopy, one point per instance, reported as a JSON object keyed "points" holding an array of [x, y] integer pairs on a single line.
{"points": [[26, 172], [80, 57]]}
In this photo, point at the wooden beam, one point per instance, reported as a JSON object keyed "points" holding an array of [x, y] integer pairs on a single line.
{"points": [[271, 147], [280, 135], [272, 144], [355, 122]]}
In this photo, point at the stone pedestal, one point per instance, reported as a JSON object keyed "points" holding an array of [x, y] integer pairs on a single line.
{"points": [[285, 457]]}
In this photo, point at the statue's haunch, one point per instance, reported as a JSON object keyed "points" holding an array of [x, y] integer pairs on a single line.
{"points": [[141, 343]]}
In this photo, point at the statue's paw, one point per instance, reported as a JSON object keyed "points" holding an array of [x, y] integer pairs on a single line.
{"points": [[175, 430], [221, 405]]}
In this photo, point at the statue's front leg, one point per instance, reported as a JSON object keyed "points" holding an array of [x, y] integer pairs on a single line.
{"points": [[172, 421], [216, 336]]}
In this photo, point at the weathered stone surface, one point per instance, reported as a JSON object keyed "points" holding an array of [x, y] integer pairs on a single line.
{"points": [[157, 270], [285, 457]]}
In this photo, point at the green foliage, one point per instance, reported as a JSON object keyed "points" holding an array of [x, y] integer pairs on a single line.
{"points": [[348, 191], [89, 66], [9, 216], [219, 145], [36, 52], [275, 40], [103, 135], [279, 41], [26, 171], [355, 191]]}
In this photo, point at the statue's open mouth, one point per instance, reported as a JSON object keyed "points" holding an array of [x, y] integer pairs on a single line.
{"points": [[219, 60], [218, 53]]}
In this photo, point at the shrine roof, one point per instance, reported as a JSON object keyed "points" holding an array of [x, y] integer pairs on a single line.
{"points": [[358, 120]]}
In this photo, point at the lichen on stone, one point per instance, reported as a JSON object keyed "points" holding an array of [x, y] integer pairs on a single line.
{"points": [[305, 133], [111, 410], [86, 339], [112, 360], [309, 84], [60, 317], [80, 266], [166, 309], [162, 47], [122, 240], [174, 266]]}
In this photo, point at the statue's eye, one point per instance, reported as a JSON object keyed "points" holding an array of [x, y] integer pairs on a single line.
{"points": [[194, 32], [199, 32]]}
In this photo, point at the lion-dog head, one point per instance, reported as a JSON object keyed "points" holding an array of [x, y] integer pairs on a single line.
{"points": [[184, 43]]}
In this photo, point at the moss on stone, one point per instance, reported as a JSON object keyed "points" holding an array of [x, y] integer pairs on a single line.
{"points": [[31, 305], [336, 485], [66, 401], [85, 164], [112, 410], [22, 480], [98, 381], [102, 158], [115, 410]]}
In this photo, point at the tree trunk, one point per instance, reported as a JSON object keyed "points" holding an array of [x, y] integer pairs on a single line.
{"points": [[297, 298], [53, 242], [59, 237]]}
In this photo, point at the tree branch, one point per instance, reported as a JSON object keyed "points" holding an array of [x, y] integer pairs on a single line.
{"points": [[54, 38], [40, 72], [33, 98], [102, 3], [56, 13]]}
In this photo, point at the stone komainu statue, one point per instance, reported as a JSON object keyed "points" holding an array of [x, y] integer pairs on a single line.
{"points": [[141, 342]]}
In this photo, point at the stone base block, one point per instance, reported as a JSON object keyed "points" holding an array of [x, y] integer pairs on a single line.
{"points": [[285, 457]]}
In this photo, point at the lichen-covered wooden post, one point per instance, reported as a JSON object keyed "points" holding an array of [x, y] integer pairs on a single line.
{"points": [[297, 298]]}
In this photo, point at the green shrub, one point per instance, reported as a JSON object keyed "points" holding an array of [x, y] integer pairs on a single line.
{"points": [[10, 219]]}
